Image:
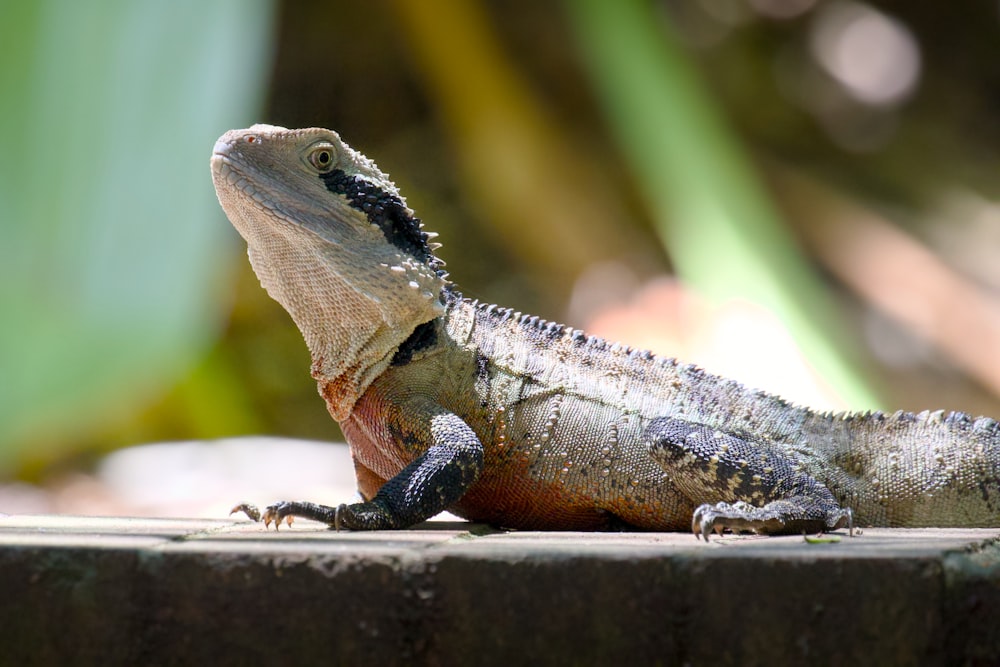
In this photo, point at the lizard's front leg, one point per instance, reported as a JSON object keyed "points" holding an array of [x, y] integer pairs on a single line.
{"points": [[743, 485], [431, 483]]}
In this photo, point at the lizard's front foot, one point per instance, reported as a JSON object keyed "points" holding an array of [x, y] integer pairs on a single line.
{"points": [[286, 511], [357, 516], [780, 516]]}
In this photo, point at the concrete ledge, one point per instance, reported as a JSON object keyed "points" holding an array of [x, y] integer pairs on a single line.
{"points": [[165, 591]]}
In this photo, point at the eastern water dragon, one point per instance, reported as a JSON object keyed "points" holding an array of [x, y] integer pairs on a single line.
{"points": [[503, 418]]}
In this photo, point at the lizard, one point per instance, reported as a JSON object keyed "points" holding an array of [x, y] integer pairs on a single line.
{"points": [[503, 418]]}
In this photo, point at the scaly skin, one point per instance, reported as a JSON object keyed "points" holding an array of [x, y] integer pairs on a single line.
{"points": [[506, 419]]}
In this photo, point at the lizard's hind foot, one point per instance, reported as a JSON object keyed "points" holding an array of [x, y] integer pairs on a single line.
{"points": [[792, 515], [711, 464]]}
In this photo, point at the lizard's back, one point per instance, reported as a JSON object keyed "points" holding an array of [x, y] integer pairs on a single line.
{"points": [[562, 416]]}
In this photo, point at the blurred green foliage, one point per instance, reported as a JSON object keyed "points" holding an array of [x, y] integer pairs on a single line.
{"points": [[726, 236], [111, 244]]}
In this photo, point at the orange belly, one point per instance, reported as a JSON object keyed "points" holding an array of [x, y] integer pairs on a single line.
{"points": [[506, 494]]}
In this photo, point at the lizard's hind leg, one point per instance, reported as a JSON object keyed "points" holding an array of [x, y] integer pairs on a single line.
{"points": [[741, 485]]}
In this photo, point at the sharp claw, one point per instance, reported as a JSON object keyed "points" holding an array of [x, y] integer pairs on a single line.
{"points": [[702, 522], [250, 510]]}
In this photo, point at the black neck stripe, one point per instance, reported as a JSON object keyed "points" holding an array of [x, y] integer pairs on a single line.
{"points": [[424, 336], [383, 209]]}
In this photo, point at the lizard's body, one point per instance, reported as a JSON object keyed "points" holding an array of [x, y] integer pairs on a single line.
{"points": [[506, 419]]}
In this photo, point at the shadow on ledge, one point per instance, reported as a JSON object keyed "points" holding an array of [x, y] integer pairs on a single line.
{"points": [[108, 591]]}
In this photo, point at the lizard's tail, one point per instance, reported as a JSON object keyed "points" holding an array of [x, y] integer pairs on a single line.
{"points": [[905, 469]]}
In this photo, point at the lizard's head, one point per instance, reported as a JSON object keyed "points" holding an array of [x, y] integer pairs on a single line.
{"points": [[332, 240]]}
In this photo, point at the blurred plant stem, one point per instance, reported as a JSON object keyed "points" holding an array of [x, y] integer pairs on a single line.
{"points": [[900, 276], [725, 237], [539, 192]]}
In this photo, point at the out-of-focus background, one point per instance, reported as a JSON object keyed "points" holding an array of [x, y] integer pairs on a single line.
{"points": [[801, 194]]}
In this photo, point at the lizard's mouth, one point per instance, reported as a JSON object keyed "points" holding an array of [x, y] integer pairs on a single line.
{"points": [[221, 150], [227, 175], [236, 188], [232, 175], [223, 164]]}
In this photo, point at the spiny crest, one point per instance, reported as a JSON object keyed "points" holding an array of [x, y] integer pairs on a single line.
{"points": [[577, 336], [961, 421]]}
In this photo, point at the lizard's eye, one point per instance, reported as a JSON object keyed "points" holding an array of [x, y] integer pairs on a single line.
{"points": [[321, 157]]}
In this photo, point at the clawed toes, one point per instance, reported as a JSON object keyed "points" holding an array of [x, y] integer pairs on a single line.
{"points": [[703, 522], [271, 514], [696, 521], [708, 519], [247, 508], [274, 514]]}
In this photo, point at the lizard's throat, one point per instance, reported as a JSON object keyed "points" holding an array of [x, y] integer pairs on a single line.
{"points": [[353, 315]]}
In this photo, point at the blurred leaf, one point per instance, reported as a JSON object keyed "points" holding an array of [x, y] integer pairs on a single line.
{"points": [[111, 243], [726, 239], [521, 166]]}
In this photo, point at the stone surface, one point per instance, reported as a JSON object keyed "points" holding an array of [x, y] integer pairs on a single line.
{"points": [[164, 591]]}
